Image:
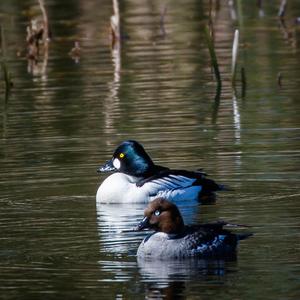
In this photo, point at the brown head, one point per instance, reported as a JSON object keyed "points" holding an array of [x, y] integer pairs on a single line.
{"points": [[162, 215]]}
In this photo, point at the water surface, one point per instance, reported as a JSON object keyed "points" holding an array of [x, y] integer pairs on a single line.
{"points": [[62, 121]]}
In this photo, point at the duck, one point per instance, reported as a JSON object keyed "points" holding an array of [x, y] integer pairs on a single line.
{"points": [[138, 179], [172, 239]]}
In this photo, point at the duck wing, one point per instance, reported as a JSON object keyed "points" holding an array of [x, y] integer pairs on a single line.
{"points": [[167, 179], [212, 240], [178, 179]]}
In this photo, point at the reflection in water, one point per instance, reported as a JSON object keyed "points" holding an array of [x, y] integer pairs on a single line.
{"points": [[232, 10], [112, 102], [165, 271], [216, 104], [162, 23], [39, 68], [75, 52], [287, 33], [167, 279], [261, 12], [4, 118], [112, 220], [37, 46], [174, 290], [236, 120]]}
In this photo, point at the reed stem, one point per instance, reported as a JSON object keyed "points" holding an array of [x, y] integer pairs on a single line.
{"points": [[115, 24], [282, 9], [45, 20], [213, 56], [6, 74], [235, 49]]}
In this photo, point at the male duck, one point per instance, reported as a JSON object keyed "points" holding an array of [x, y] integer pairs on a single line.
{"points": [[172, 239], [138, 179]]}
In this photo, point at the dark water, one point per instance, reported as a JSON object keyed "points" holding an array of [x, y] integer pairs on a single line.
{"points": [[64, 118]]}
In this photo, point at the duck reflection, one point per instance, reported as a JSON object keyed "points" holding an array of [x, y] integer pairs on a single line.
{"points": [[115, 224], [175, 290], [166, 279], [165, 271]]}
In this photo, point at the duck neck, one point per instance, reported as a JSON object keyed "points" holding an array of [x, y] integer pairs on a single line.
{"points": [[173, 226]]}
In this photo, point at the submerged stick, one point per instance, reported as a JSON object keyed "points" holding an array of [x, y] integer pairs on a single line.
{"points": [[213, 56], [45, 20], [232, 10], [7, 79], [216, 105], [261, 12], [2, 41], [115, 23], [279, 79], [282, 9], [6, 74], [235, 49]]}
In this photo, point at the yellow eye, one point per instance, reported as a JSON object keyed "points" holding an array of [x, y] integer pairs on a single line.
{"points": [[122, 155]]}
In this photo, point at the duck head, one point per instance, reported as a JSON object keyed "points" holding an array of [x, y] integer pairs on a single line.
{"points": [[130, 158], [162, 215]]}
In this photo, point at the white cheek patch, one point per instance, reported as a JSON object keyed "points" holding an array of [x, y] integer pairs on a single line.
{"points": [[116, 163]]}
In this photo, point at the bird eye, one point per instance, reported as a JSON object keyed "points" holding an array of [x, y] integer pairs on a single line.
{"points": [[122, 155], [157, 213]]}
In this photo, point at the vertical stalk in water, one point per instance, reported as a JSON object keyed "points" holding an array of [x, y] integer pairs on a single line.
{"points": [[6, 74], [115, 24], [45, 36], [282, 9], [235, 49], [213, 56], [7, 79], [46, 22]]}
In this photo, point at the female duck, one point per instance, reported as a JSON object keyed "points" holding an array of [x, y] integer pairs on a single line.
{"points": [[172, 239], [138, 179]]}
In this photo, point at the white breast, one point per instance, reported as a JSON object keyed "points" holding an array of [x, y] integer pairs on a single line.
{"points": [[120, 188]]}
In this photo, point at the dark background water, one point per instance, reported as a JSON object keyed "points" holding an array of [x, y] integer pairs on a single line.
{"points": [[64, 118]]}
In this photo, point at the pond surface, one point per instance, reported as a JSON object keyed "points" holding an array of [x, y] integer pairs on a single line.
{"points": [[65, 116]]}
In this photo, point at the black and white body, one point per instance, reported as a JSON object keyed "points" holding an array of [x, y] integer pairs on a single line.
{"points": [[137, 179]]}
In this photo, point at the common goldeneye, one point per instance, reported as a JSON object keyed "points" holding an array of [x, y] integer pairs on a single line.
{"points": [[173, 239], [138, 179]]}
